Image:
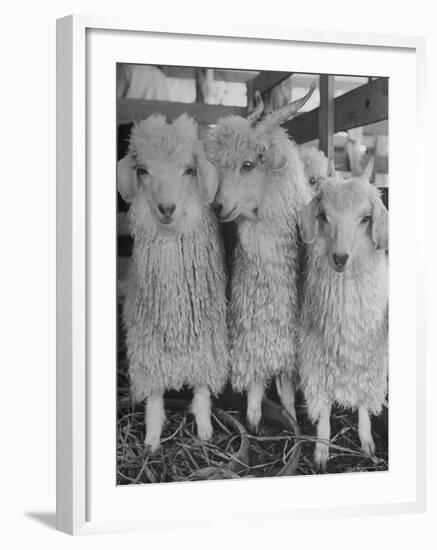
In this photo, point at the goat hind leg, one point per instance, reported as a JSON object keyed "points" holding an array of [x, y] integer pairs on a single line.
{"points": [[255, 394], [286, 392], [155, 418], [321, 452], [364, 431], [201, 408]]}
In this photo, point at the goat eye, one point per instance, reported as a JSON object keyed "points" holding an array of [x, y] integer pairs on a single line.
{"points": [[141, 171], [248, 166], [366, 218], [322, 216], [191, 171], [313, 181]]}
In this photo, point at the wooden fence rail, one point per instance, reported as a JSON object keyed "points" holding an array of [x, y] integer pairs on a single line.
{"points": [[128, 109], [361, 106]]}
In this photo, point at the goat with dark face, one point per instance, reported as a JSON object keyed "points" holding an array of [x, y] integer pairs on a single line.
{"points": [[262, 186], [344, 312]]}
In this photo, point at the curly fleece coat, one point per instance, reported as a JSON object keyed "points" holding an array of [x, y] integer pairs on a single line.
{"points": [[264, 299], [175, 308], [344, 324]]}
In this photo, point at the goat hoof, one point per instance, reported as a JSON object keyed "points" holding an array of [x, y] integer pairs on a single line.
{"points": [[204, 432], [321, 456], [254, 421], [253, 426], [368, 448], [151, 450], [152, 446]]}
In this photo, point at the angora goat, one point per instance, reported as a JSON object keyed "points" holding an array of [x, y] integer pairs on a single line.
{"points": [[315, 165], [175, 307], [261, 186], [345, 307]]}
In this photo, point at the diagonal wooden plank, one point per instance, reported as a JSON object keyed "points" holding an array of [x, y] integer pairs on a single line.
{"points": [[364, 105]]}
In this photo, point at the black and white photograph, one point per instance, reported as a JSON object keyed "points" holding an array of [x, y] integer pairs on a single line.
{"points": [[219, 299], [252, 273]]}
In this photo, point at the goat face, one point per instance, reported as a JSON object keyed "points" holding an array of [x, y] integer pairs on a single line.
{"points": [[246, 152], [169, 187], [165, 174], [348, 220], [241, 188]]}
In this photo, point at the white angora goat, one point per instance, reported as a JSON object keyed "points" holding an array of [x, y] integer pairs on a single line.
{"points": [[175, 307], [262, 186], [315, 165], [345, 307]]}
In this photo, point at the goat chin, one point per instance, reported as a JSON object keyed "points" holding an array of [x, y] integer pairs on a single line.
{"points": [[143, 218], [245, 213], [251, 214]]}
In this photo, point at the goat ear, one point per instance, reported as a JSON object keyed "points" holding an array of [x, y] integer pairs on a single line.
{"points": [[275, 157], [126, 179], [380, 225], [206, 175], [308, 220], [368, 170]]}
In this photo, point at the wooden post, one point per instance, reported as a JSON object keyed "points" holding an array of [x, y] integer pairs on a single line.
{"points": [[200, 77], [326, 115], [250, 95]]}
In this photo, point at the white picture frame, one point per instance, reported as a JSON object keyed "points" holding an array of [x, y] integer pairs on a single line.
{"points": [[77, 427]]}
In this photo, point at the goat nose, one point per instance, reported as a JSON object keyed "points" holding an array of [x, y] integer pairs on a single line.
{"points": [[167, 209], [340, 259]]}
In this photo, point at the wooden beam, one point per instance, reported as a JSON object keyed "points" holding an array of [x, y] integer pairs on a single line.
{"points": [[129, 109], [304, 127], [326, 114], [250, 92], [266, 80], [363, 105]]}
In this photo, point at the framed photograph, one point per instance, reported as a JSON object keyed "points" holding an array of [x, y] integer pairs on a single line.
{"points": [[239, 335]]}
